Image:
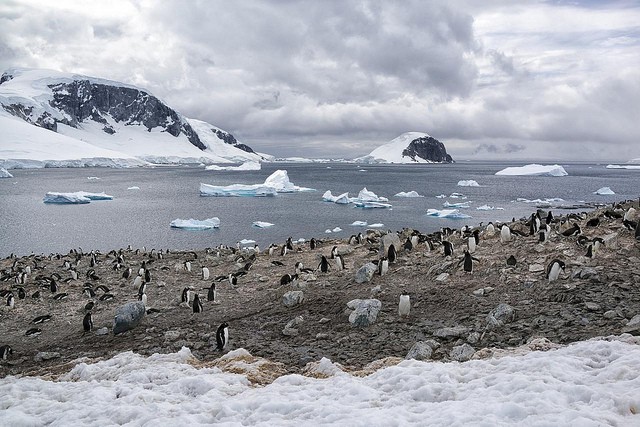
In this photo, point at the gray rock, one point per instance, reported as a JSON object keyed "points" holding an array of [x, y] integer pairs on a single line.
{"points": [[500, 315], [291, 328], [365, 273], [364, 313], [462, 353], [45, 355], [451, 332], [387, 240], [421, 350], [322, 336], [610, 314], [611, 241], [473, 338], [102, 331], [324, 320], [128, 317], [536, 268], [592, 306], [292, 298], [442, 277], [171, 336], [633, 326]]}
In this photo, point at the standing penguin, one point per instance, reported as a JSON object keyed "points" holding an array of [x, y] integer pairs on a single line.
{"points": [[205, 273], [147, 275], [549, 218], [334, 252], [186, 295], [212, 293], [468, 262], [637, 233], [408, 244], [197, 304], [383, 266], [324, 264], [404, 306], [290, 244], [490, 230], [553, 269], [505, 234], [471, 244], [87, 322], [11, 301], [5, 352], [392, 254], [448, 248], [313, 243], [222, 336], [339, 262]]}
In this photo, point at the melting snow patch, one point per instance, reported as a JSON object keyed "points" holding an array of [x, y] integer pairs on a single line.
{"points": [[534, 170], [447, 213], [408, 194], [468, 183], [262, 224], [79, 197], [604, 191], [194, 224]]}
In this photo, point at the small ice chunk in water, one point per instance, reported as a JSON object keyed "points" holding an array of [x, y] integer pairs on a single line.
{"points": [[463, 205], [262, 224], [534, 170], [92, 178], [408, 194], [194, 224], [377, 225], [337, 230], [133, 188], [79, 197], [457, 196], [441, 196], [359, 223], [604, 191], [247, 242], [468, 183], [447, 213], [373, 205]]}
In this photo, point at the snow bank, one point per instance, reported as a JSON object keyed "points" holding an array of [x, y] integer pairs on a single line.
{"points": [[584, 384], [534, 170], [262, 224], [408, 194], [79, 197], [246, 166], [194, 224], [604, 191], [468, 183], [277, 182], [5, 173], [447, 213]]}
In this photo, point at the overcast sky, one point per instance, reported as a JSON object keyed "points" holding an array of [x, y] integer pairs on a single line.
{"points": [[491, 79]]}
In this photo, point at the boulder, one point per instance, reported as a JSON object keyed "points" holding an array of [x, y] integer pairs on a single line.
{"points": [[365, 311], [500, 315], [387, 240], [365, 273], [291, 328], [633, 326], [292, 298], [422, 350], [462, 353], [128, 317]]}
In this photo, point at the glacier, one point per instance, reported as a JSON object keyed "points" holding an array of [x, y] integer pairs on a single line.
{"points": [[534, 169], [194, 224]]}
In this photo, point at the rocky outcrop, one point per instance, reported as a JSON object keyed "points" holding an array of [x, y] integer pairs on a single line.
{"points": [[427, 148], [410, 147]]}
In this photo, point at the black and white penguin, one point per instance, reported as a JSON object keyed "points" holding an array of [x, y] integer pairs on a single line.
{"points": [[87, 322], [272, 249], [21, 293], [313, 243], [574, 230], [33, 332], [5, 352], [89, 306], [233, 280], [290, 244], [447, 247], [334, 252], [212, 293], [542, 234], [186, 295], [126, 273], [284, 250], [137, 282], [505, 234], [511, 261], [468, 262], [222, 336], [288, 278], [339, 262], [404, 305], [383, 266], [534, 224], [597, 244], [589, 253], [593, 222], [549, 219], [143, 299], [408, 245], [490, 229], [41, 319], [471, 244], [11, 302], [187, 266], [324, 264], [142, 289], [476, 236], [205, 273], [197, 304], [554, 268], [147, 275], [392, 255]]}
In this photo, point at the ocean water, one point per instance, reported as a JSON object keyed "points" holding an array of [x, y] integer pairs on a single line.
{"points": [[141, 217]]}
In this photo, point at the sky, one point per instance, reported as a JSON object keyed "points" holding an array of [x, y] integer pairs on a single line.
{"points": [[496, 79]]}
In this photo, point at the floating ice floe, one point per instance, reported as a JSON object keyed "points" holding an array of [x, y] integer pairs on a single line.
{"points": [[488, 208], [337, 230], [246, 166], [457, 196], [540, 201], [468, 183], [247, 242], [369, 196], [359, 223], [623, 166], [262, 224], [195, 224], [91, 178], [408, 194], [5, 173], [441, 196], [534, 170], [77, 198], [342, 199], [604, 191], [447, 213], [373, 205], [277, 182], [463, 205], [133, 188], [376, 225]]}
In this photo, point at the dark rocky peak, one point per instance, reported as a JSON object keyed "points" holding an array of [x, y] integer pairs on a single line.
{"points": [[427, 148]]}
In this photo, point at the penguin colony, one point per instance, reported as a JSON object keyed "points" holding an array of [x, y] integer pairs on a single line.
{"points": [[206, 291]]}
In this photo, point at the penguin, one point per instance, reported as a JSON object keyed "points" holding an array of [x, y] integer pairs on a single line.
{"points": [[334, 252], [471, 244], [143, 299], [448, 248], [404, 305], [186, 295], [41, 319], [126, 274], [105, 297], [233, 280], [222, 336], [87, 322], [637, 232], [197, 304], [392, 254], [89, 306], [593, 222], [553, 269], [628, 216], [256, 249], [284, 250], [597, 243], [288, 278], [339, 262], [468, 262], [212, 293], [589, 253], [53, 287], [102, 288], [187, 266], [272, 248], [511, 261], [313, 243], [408, 245], [476, 236], [574, 230], [383, 266], [542, 236], [490, 229], [21, 293], [5, 352], [35, 295], [33, 332], [147, 276], [505, 234], [205, 273], [277, 263], [11, 301], [299, 266], [289, 244], [549, 219], [353, 240], [142, 289], [324, 264], [137, 282]]}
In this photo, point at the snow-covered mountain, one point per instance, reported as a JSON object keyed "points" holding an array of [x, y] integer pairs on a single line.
{"points": [[60, 119], [410, 147]]}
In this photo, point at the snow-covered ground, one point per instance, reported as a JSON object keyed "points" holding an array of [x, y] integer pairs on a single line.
{"points": [[591, 383], [534, 170]]}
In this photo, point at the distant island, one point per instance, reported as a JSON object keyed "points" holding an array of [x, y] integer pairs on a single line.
{"points": [[410, 147]]}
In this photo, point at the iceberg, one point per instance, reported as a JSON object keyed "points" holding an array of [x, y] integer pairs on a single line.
{"points": [[623, 166], [247, 242], [408, 194], [342, 199], [604, 191], [77, 198], [194, 224], [337, 230], [369, 196], [377, 225], [277, 182], [447, 213], [488, 208], [93, 178], [246, 166], [5, 173], [372, 205], [359, 223], [534, 170], [262, 224], [462, 205], [468, 183], [133, 188], [457, 196]]}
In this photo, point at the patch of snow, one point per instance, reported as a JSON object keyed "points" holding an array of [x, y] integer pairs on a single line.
{"points": [[194, 224], [604, 191], [5, 173], [246, 166], [534, 170], [262, 224], [468, 183], [408, 194], [79, 197], [447, 213]]}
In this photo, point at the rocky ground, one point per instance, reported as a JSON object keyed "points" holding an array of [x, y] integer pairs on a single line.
{"points": [[454, 314]]}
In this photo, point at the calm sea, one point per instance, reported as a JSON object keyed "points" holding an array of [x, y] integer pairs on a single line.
{"points": [[141, 217]]}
